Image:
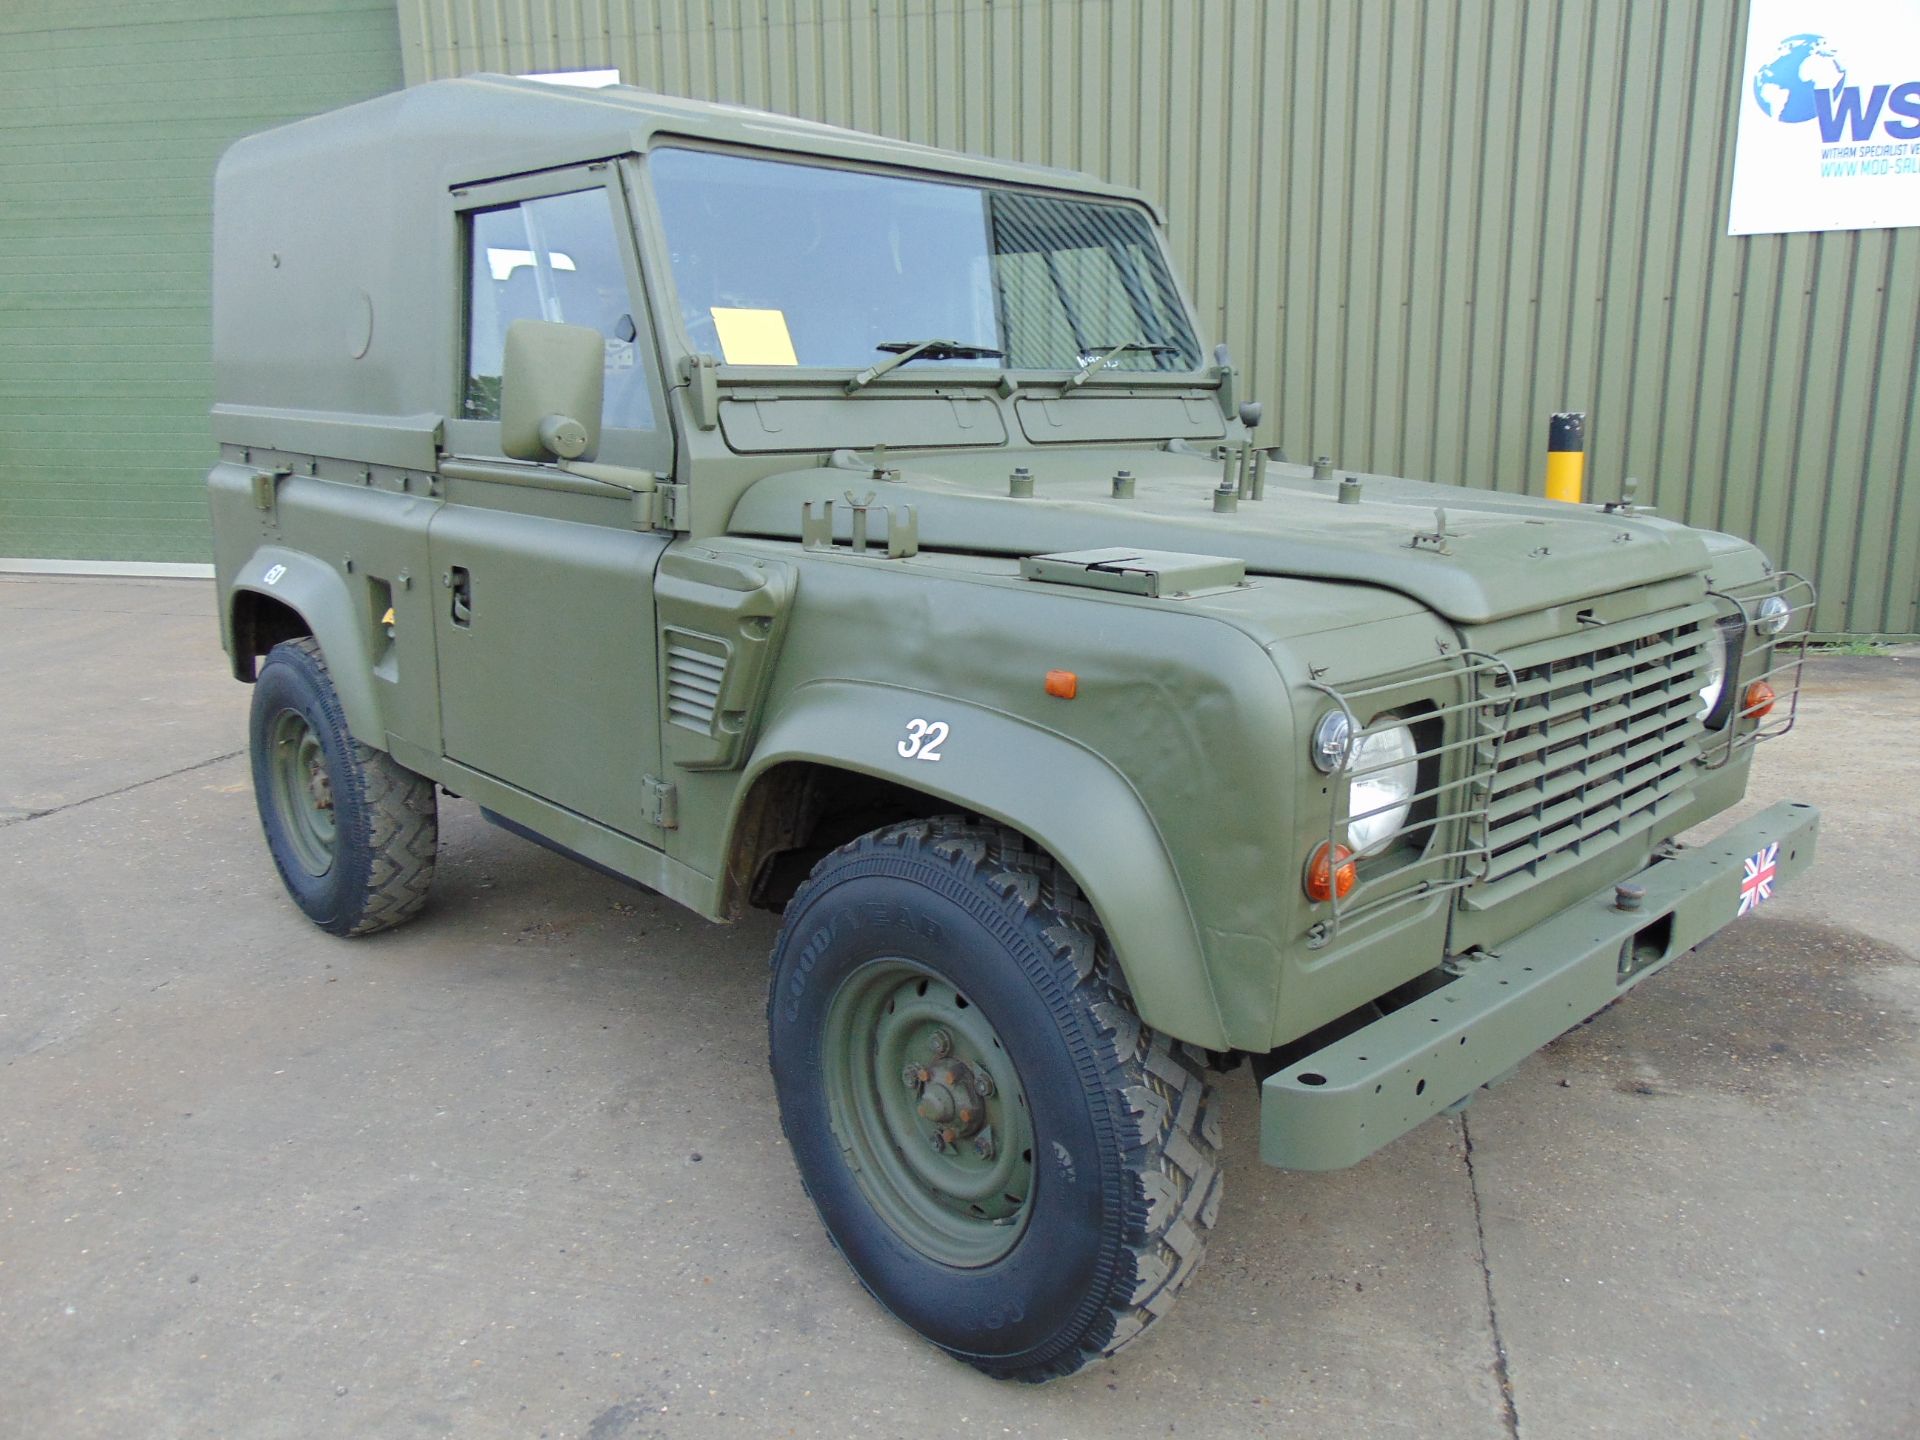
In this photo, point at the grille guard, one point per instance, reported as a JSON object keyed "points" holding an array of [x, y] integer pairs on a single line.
{"points": [[1476, 764]]}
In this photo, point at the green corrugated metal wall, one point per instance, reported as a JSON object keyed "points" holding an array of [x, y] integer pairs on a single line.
{"points": [[111, 118], [1422, 224]]}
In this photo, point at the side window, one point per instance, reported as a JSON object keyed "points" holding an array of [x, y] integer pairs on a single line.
{"points": [[555, 258]]}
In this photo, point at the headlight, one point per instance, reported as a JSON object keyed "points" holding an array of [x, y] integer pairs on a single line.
{"points": [[1773, 614], [1715, 684], [1386, 771]]}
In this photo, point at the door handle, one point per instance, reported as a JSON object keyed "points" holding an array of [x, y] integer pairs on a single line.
{"points": [[461, 584]]}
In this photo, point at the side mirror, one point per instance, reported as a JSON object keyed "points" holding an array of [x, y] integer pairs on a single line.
{"points": [[551, 378]]}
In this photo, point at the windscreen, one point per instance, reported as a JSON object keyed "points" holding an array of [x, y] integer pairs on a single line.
{"points": [[778, 263]]}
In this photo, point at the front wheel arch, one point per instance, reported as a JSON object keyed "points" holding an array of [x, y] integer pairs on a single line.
{"points": [[1063, 798]]}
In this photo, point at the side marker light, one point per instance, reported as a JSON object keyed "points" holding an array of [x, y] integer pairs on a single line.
{"points": [[1062, 684], [1758, 701]]}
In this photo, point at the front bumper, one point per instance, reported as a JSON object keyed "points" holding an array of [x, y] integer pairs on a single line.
{"points": [[1347, 1099]]}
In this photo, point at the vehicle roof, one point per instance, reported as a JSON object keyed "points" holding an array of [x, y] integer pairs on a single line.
{"points": [[487, 126], [334, 238]]}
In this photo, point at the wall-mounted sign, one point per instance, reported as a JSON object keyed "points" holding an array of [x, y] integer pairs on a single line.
{"points": [[1829, 133]]}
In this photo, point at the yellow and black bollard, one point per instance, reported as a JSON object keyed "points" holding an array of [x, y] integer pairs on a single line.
{"points": [[1567, 456]]}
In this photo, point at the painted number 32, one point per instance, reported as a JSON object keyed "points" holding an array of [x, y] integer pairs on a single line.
{"points": [[924, 739]]}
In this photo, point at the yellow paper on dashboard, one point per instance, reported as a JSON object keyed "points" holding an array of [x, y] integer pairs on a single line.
{"points": [[753, 337]]}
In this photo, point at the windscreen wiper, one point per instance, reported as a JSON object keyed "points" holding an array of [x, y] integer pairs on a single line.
{"points": [[905, 350], [1111, 353]]}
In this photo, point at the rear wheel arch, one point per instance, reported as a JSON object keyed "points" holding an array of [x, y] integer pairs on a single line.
{"points": [[306, 598], [258, 622]]}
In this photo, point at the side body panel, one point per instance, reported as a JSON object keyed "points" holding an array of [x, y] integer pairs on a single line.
{"points": [[345, 553]]}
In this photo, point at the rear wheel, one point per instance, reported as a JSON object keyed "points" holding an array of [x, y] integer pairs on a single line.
{"points": [[352, 833], [1010, 1161]]}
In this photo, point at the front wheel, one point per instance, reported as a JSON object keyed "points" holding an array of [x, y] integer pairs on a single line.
{"points": [[353, 833], [1009, 1160]]}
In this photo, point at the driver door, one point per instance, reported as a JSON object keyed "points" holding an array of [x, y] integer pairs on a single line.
{"points": [[545, 619]]}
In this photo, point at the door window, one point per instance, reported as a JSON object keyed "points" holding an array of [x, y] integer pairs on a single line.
{"points": [[555, 258]]}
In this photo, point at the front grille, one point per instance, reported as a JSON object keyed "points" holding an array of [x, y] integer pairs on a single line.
{"points": [[1599, 738]]}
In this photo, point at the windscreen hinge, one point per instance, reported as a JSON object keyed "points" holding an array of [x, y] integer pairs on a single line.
{"points": [[701, 375]]}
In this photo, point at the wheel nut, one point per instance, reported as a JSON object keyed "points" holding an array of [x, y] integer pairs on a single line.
{"points": [[913, 1077], [983, 1146], [942, 1044], [939, 1141], [982, 1083]]}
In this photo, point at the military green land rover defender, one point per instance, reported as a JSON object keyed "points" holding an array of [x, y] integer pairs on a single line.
{"points": [[775, 515]]}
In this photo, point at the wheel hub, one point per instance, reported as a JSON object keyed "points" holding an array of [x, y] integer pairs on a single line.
{"points": [[943, 1146], [302, 788], [953, 1097]]}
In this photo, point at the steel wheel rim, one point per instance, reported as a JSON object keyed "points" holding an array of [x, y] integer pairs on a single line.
{"points": [[303, 791], [959, 1203]]}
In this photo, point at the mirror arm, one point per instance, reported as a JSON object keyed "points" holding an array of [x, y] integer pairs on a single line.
{"points": [[624, 477]]}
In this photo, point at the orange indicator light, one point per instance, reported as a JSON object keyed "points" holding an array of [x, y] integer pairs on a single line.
{"points": [[1759, 701], [1063, 684], [1327, 874]]}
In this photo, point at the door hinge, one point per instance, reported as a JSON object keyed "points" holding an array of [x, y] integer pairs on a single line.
{"points": [[670, 508], [663, 803]]}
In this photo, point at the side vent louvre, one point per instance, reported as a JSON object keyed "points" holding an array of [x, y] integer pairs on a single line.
{"points": [[721, 623], [696, 670]]}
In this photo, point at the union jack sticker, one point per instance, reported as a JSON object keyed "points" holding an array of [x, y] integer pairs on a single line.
{"points": [[1757, 873]]}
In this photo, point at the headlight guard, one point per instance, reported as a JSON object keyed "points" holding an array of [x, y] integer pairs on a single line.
{"points": [[1400, 757]]}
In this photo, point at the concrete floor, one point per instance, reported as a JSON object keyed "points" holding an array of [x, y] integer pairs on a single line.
{"points": [[514, 1170]]}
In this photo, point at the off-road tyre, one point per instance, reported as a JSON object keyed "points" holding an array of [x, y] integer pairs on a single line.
{"points": [[1125, 1133], [374, 871]]}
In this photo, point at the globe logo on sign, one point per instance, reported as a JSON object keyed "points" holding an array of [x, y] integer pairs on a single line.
{"points": [[1788, 85]]}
